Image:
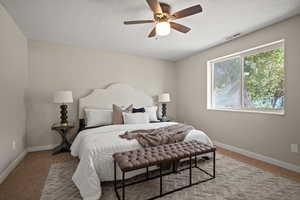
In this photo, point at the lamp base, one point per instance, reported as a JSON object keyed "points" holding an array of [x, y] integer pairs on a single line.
{"points": [[64, 112], [164, 110]]}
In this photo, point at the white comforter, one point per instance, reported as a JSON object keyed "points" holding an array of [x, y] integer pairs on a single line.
{"points": [[95, 148]]}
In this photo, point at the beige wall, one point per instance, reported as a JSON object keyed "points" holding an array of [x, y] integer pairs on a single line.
{"points": [[269, 135], [13, 83], [57, 67]]}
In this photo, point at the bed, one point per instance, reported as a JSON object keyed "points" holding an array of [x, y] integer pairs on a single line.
{"points": [[95, 146]]}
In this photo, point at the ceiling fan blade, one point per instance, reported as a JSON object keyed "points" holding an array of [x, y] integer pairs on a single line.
{"points": [[179, 27], [152, 33], [188, 12], [139, 22], [155, 6]]}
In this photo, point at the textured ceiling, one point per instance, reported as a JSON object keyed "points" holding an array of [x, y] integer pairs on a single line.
{"points": [[99, 23]]}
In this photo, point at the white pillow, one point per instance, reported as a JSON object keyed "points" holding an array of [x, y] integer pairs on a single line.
{"points": [[135, 118], [152, 112], [98, 117]]}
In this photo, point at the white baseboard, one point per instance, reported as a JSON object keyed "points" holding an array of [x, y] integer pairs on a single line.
{"points": [[12, 166], [256, 156], [41, 148]]}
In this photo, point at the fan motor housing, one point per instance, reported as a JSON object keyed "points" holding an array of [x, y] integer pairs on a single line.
{"points": [[161, 17]]}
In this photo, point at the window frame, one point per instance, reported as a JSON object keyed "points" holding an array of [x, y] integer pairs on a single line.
{"points": [[242, 54]]}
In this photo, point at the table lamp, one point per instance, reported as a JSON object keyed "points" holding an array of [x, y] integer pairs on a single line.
{"points": [[164, 99], [63, 98]]}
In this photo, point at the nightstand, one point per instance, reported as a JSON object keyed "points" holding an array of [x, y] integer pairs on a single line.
{"points": [[158, 121], [166, 120], [63, 131]]}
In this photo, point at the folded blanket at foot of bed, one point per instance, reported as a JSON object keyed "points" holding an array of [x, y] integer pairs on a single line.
{"points": [[154, 137]]}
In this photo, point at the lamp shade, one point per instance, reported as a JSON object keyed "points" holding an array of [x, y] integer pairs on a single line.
{"points": [[164, 98], [63, 97]]}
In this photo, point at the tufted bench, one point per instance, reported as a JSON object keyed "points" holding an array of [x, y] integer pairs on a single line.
{"points": [[157, 156]]}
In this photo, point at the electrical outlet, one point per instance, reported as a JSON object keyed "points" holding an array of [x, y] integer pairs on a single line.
{"points": [[14, 145], [294, 148]]}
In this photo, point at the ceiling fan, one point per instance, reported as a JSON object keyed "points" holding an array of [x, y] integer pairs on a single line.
{"points": [[163, 18]]}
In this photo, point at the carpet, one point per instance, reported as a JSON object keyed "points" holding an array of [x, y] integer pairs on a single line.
{"points": [[234, 181]]}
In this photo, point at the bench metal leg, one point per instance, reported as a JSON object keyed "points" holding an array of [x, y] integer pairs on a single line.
{"points": [[214, 164], [190, 170], [160, 180], [115, 181], [123, 185], [174, 167], [115, 175], [147, 172]]}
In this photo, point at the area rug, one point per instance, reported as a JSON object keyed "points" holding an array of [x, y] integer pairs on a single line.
{"points": [[235, 181]]}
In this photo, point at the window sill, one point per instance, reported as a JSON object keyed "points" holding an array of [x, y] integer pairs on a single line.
{"points": [[279, 112]]}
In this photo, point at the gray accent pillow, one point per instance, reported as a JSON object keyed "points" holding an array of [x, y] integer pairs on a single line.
{"points": [[117, 117]]}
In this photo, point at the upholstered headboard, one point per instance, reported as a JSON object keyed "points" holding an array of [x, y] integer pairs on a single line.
{"points": [[119, 94]]}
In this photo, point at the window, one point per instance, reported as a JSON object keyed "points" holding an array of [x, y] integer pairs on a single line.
{"points": [[252, 80]]}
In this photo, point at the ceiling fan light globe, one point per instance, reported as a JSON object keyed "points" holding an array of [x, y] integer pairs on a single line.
{"points": [[163, 28]]}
